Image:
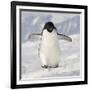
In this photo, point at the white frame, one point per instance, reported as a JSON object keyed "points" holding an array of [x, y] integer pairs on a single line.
{"points": [[75, 78]]}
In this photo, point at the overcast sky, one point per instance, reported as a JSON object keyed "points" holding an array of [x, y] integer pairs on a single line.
{"points": [[33, 21]]}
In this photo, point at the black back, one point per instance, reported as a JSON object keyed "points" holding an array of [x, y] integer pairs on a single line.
{"points": [[49, 26]]}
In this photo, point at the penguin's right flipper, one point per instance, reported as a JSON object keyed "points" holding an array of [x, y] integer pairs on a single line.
{"points": [[33, 37], [64, 37]]}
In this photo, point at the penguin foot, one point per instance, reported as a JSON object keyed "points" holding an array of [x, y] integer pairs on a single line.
{"points": [[56, 66], [44, 66], [53, 66]]}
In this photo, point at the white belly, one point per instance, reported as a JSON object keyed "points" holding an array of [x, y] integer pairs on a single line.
{"points": [[49, 49]]}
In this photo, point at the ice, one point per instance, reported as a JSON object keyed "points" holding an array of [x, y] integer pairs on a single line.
{"points": [[69, 64]]}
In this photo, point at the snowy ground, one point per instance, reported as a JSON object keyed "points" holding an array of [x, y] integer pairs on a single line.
{"points": [[68, 66]]}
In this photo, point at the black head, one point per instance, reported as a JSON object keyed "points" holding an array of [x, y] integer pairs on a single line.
{"points": [[49, 26]]}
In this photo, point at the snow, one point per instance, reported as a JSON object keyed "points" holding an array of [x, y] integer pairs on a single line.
{"points": [[69, 64]]}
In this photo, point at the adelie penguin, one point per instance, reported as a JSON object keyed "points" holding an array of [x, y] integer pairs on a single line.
{"points": [[49, 51]]}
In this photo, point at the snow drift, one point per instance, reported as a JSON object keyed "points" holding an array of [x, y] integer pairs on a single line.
{"points": [[69, 64]]}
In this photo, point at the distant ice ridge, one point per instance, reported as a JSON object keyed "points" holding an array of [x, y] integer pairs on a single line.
{"points": [[66, 24], [69, 64]]}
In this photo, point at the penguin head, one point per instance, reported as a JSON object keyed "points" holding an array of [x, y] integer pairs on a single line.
{"points": [[49, 26]]}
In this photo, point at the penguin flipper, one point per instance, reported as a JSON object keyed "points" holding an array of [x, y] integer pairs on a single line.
{"points": [[33, 37], [64, 37]]}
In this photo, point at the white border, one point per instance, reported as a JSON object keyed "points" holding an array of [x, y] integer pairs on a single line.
{"points": [[81, 78]]}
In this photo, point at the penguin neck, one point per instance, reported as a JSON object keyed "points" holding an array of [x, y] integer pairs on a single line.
{"points": [[48, 34], [46, 31], [50, 38]]}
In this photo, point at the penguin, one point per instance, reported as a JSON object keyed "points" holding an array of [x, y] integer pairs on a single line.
{"points": [[49, 50]]}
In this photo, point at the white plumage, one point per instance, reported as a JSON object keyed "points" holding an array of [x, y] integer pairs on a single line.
{"points": [[49, 49]]}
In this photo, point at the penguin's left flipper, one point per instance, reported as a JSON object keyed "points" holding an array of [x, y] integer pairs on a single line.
{"points": [[33, 36], [64, 37]]}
